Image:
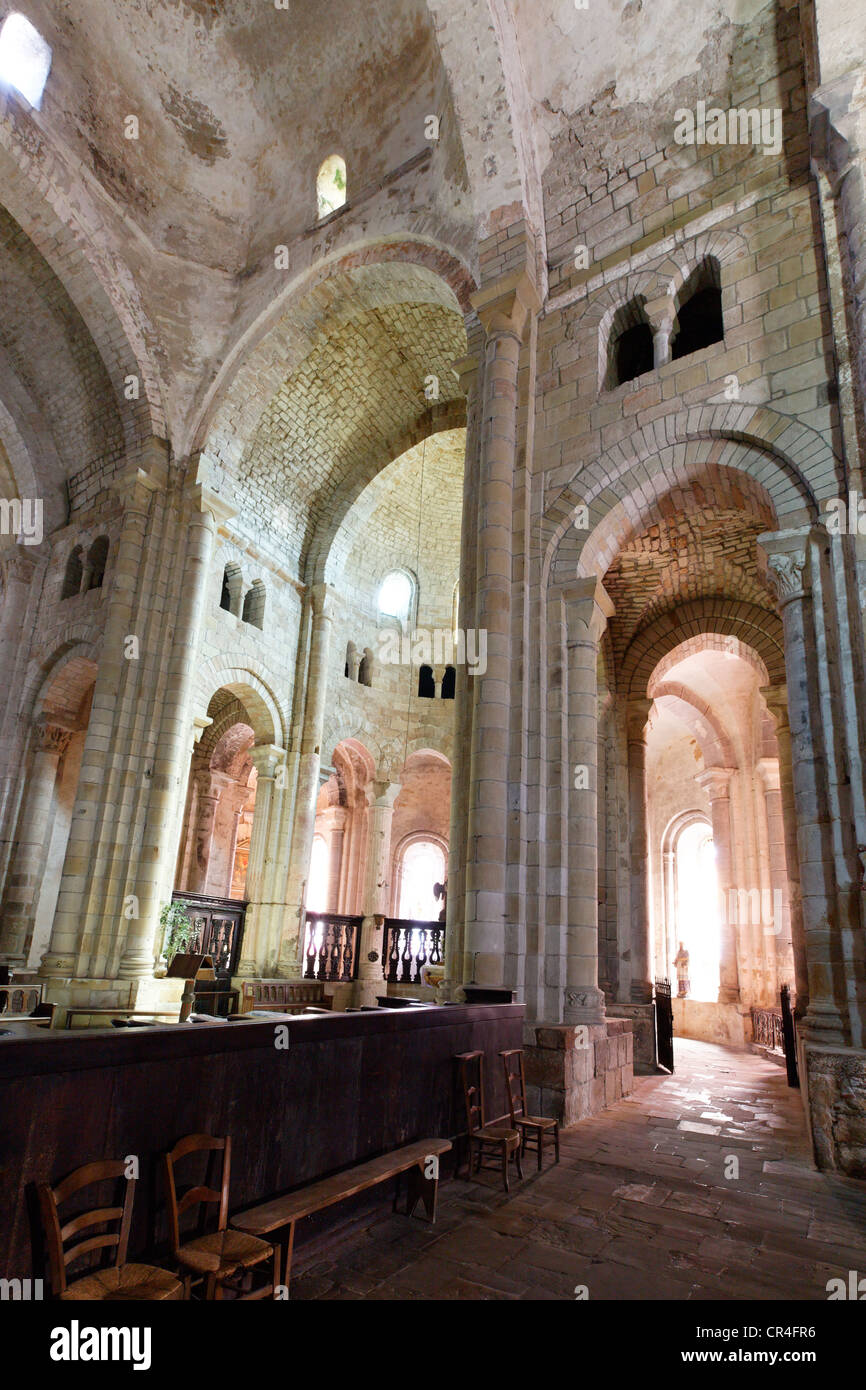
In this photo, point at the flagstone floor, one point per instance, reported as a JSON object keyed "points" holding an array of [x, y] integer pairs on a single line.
{"points": [[646, 1203]]}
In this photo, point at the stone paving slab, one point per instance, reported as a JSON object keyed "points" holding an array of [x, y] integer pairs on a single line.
{"points": [[639, 1208]]}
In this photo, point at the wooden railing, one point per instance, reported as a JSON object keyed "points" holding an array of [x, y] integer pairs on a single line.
{"points": [[331, 946], [407, 946], [767, 1029], [285, 996], [16, 1000]]}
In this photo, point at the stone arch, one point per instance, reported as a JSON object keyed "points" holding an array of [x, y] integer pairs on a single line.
{"points": [[77, 655], [791, 463], [30, 449], [388, 272], [698, 717], [71, 239], [258, 699], [758, 628]]}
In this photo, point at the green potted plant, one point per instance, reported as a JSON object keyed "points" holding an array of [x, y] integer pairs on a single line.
{"points": [[176, 929]]}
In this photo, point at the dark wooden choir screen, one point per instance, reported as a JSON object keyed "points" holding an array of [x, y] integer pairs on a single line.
{"points": [[217, 929], [664, 1024]]}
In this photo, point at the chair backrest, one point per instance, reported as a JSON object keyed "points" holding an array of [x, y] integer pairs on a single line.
{"points": [[515, 1081], [471, 1066], [200, 1194], [57, 1236]]}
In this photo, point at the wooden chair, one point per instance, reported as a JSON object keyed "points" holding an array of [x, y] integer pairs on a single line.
{"points": [[535, 1127], [485, 1140], [224, 1257], [119, 1280]]}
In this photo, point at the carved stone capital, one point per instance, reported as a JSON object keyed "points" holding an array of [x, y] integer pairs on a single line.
{"points": [[783, 558], [776, 700], [267, 758], [768, 771], [505, 306], [52, 735], [716, 782], [587, 610]]}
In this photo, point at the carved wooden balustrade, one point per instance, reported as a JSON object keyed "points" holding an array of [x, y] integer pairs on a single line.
{"points": [[409, 945], [331, 946], [17, 1000], [767, 1029]]}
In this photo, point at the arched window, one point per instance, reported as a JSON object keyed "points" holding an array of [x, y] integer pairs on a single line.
{"points": [[699, 320], [421, 865], [97, 559], [317, 882], [696, 922], [74, 574], [25, 58], [254, 605], [365, 670], [426, 683], [449, 683], [629, 350], [350, 670], [331, 185], [395, 595], [230, 596]]}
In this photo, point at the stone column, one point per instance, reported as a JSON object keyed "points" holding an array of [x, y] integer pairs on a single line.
{"points": [[374, 906], [77, 915], [309, 760], [18, 566], [637, 714], [504, 309], [467, 369], [786, 555], [32, 839], [267, 760], [716, 781], [169, 765], [776, 699], [587, 610], [335, 857], [207, 798], [779, 930], [669, 935]]}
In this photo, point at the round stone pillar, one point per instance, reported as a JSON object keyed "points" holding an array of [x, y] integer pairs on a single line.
{"points": [[268, 760], [335, 856], [716, 782], [309, 761], [786, 555], [504, 309], [776, 698], [779, 929], [32, 840], [207, 798], [374, 904], [637, 715], [587, 609]]}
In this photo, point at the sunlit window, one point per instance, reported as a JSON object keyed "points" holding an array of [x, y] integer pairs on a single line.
{"points": [[697, 909], [331, 185], [25, 58], [317, 883], [422, 866], [395, 595]]}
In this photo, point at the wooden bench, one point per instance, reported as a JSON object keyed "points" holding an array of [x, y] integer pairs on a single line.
{"points": [[282, 1213]]}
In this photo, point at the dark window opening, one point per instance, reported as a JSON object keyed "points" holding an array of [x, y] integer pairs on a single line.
{"points": [[634, 353], [74, 574], [449, 683], [699, 323], [97, 559], [426, 683]]}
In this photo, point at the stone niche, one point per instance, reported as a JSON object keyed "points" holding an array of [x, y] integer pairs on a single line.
{"points": [[573, 1072], [835, 1084]]}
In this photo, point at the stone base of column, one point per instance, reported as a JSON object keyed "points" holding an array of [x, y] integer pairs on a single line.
{"points": [[641, 991], [728, 996], [56, 967], [574, 1072], [144, 995], [822, 1024], [643, 1027], [833, 1086], [583, 1005]]}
